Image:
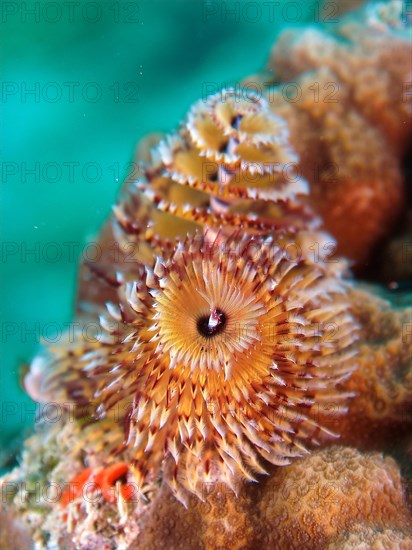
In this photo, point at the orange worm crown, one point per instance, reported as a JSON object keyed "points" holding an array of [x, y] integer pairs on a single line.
{"points": [[216, 348]]}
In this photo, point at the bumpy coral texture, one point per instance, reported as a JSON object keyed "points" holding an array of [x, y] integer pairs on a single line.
{"points": [[362, 537], [334, 495], [382, 409], [331, 499], [315, 500], [350, 117]]}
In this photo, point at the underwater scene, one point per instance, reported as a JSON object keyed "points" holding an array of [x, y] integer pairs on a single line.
{"points": [[206, 305]]}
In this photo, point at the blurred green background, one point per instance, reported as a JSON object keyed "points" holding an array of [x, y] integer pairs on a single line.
{"points": [[82, 83]]}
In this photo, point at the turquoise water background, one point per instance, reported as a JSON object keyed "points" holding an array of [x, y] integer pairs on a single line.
{"points": [[98, 85]]}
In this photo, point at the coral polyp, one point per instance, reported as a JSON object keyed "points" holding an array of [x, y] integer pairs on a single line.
{"points": [[351, 92]]}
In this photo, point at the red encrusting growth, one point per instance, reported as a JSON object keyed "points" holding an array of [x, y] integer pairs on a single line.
{"points": [[104, 480]]}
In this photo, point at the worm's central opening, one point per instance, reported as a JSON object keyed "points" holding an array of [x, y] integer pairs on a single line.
{"points": [[213, 324]]}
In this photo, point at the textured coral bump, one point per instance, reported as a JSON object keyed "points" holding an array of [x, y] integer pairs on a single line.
{"points": [[350, 119]]}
